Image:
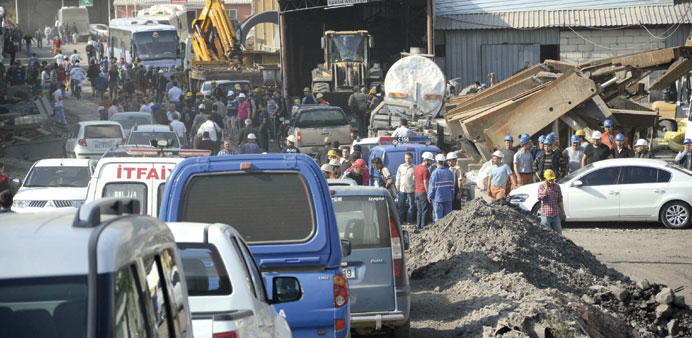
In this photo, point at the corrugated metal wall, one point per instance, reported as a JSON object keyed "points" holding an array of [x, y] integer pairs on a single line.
{"points": [[678, 38], [448, 7], [464, 57]]}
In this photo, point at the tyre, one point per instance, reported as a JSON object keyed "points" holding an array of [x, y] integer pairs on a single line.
{"points": [[534, 210], [403, 331], [676, 215]]}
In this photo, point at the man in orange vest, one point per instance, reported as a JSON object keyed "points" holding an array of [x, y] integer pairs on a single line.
{"points": [[608, 137]]}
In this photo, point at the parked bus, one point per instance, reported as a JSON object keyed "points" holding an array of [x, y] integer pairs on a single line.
{"points": [[78, 16], [154, 44]]}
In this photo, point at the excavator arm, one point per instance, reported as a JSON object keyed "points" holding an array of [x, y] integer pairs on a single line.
{"points": [[214, 38]]}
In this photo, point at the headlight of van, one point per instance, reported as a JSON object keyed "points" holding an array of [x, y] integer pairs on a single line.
{"points": [[518, 198], [19, 204]]}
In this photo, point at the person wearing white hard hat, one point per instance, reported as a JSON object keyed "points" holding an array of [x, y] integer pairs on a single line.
{"points": [[406, 187], [596, 151], [231, 113], [458, 179], [684, 157], [290, 147], [326, 170], [251, 147], [421, 175], [641, 151], [441, 189], [499, 175]]}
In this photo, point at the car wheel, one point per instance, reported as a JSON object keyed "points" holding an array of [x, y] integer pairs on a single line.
{"points": [[403, 331], [535, 209], [676, 215]]}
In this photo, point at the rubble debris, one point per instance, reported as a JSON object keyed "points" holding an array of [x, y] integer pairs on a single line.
{"points": [[492, 270]]}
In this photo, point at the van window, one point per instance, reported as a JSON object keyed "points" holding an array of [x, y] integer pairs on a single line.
{"points": [[159, 195], [327, 117], [103, 131], [243, 199], [156, 286], [176, 294], [363, 220], [205, 272], [130, 190], [130, 322]]}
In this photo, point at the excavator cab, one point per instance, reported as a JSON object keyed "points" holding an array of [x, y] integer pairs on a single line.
{"points": [[346, 47]]}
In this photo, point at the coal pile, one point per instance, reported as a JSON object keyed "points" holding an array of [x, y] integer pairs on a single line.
{"points": [[492, 270]]}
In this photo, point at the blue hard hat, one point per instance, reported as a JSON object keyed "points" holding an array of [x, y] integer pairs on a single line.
{"points": [[575, 138], [619, 137], [541, 139], [549, 139], [509, 138], [524, 135], [687, 141], [607, 123], [484, 85], [524, 139], [551, 135]]}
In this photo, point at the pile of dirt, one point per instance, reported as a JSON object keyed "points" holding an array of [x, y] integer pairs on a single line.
{"points": [[491, 269]]}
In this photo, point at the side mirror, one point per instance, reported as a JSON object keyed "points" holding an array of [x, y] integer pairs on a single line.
{"points": [[323, 42], [345, 248], [371, 42], [406, 239], [286, 289], [577, 184]]}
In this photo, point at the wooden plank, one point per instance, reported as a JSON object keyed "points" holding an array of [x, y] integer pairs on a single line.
{"points": [[603, 108], [497, 96], [542, 108], [677, 70]]}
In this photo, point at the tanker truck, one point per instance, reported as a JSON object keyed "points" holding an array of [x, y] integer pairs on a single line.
{"points": [[414, 89]]}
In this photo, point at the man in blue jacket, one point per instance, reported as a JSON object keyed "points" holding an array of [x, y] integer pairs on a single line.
{"points": [[441, 189]]}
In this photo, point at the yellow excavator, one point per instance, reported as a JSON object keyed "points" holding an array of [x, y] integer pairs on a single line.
{"points": [[214, 37]]}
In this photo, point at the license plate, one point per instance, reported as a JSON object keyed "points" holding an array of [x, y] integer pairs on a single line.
{"points": [[102, 145], [349, 272]]}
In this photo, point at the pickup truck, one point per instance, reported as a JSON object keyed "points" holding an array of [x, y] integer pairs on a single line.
{"points": [[281, 205], [313, 123], [225, 287]]}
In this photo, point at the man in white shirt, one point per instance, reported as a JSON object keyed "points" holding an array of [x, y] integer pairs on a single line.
{"points": [[211, 127], [406, 186], [403, 131], [174, 93], [172, 112], [179, 129], [75, 57], [59, 58]]}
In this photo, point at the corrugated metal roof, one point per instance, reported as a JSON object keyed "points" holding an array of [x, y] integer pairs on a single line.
{"points": [[607, 17], [449, 7], [191, 3]]}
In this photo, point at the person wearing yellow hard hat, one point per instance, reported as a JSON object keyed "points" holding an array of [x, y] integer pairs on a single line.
{"points": [[323, 154], [308, 98], [321, 100], [582, 138], [552, 210]]}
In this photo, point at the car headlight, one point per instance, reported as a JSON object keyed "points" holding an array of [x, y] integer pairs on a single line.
{"points": [[518, 198], [20, 204]]}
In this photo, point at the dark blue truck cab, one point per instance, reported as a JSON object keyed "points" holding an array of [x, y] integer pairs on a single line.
{"points": [[282, 206]]}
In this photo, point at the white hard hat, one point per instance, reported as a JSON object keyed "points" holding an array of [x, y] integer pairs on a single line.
{"points": [[440, 158], [452, 156], [241, 95], [291, 139], [251, 136], [202, 106], [230, 92], [326, 167], [596, 134], [499, 154], [427, 156], [160, 71], [641, 142], [104, 108]]}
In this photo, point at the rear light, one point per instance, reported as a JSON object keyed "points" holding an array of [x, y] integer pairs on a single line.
{"points": [[124, 141], [339, 324], [193, 152], [229, 334], [247, 166], [353, 134], [299, 138], [432, 96], [397, 253], [386, 139], [340, 290], [410, 149], [398, 95], [82, 142]]}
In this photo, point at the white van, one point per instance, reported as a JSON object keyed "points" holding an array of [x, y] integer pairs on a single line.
{"points": [[75, 15]]}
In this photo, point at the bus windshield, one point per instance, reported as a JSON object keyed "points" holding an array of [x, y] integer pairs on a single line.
{"points": [[156, 45]]}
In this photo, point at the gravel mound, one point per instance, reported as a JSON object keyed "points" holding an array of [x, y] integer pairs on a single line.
{"points": [[491, 270]]}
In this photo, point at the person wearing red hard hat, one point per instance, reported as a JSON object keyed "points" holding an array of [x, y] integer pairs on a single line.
{"points": [[357, 172]]}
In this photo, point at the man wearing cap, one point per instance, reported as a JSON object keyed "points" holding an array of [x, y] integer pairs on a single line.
{"points": [[406, 186], [327, 170], [641, 151], [251, 147], [244, 109], [509, 150], [357, 172], [231, 113], [684, 157], [421, 175], [498, 177], [573, 154], [582, 138], [523, 162], [621, 150], [103, 115], [441, 191], [596, 151], [458, 179], [336, 172], [550, 159], [307, 97], [608, 137], [290, 148], [539, 148], [321, 100], [322, 154], [403, 131], [552, 210]]}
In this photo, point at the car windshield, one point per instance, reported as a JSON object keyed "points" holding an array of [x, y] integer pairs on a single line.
{"points": [[363, 220], [103, 131], [128, 121], [315, 118], [60, 176], [156, 45], [38, 306], [574, 174], [138, 137]]}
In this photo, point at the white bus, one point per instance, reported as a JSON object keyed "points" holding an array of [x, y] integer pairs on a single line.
{"points": [[174, 15], [154, 44]]}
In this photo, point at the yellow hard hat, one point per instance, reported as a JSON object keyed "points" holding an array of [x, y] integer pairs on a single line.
{"points": [[237, 86], [372, 91], [319, 95], [332, 153], [327, 140], [580, 133], [189, 94], [213, 81], [296, 101], [306, 89], [256, 90], [106, 95], [199, 93], [549, 174]]}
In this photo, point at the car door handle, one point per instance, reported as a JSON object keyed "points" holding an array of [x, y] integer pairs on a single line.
{"points": [[613, 192], [659, 191]]}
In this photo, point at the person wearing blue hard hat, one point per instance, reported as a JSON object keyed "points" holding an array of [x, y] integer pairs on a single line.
{"points": [[550, 159], [508, 151], [523, 162], [484, 86], [608, 136], [684, 157], [620, 150], [573, 154]]}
